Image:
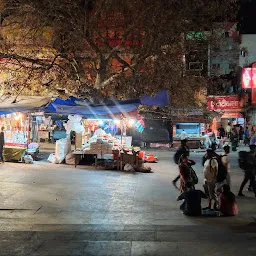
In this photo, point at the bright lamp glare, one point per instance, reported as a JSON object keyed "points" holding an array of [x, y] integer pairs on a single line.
{"points": [[131, 122], [17, 117], [117, 121], [101, 122]]}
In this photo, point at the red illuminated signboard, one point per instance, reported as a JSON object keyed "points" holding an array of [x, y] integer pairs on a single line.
{"points": [[247, 78], [225, 103]]}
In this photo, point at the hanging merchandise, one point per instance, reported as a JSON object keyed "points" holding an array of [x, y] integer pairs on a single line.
{"points": [[140, 125]]}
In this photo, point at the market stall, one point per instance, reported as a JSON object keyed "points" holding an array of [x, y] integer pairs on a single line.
{"points": [[106, 139], [15, 118], [16, 133]]}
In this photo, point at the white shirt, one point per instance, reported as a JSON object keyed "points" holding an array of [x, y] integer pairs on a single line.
{"points": [[183, 135]]}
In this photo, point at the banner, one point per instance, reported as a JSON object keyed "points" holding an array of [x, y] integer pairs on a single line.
{"points": [[232, 115], [225, 103]]}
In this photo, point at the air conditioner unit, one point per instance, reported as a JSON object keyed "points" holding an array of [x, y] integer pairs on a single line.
{"points": [[196, 66]]}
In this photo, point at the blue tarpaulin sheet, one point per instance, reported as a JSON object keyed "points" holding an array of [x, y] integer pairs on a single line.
{"points": [[102, 110], [161, 99], [74, 105]]}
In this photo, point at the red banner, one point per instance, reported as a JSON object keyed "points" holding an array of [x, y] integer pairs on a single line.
{"points": [[225, 103], [232, 115]]}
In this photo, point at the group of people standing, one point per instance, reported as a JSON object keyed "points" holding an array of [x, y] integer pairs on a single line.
{"points": [[237, 134], [216, 169]]}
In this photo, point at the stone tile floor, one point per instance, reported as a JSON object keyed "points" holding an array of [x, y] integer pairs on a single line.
{"points": [[59, 210]]}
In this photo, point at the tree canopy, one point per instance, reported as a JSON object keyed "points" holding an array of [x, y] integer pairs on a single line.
{"points": [[104, 48]]}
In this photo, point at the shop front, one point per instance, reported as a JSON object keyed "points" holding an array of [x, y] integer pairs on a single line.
{"points": [[100, 133], [190, 124], [229, 108], [107, 140]]}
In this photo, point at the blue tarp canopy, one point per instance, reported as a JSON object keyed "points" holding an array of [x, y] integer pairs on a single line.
{"points": [[161, 99], [103, 110], [78, 106], [107, 109]]}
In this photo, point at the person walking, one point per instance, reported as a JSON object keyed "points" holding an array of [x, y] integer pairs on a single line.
{"points": [[234, 138], [253, 138], [228, 130], [210, 178], [192, 201], [2, 144], [221, 131], [246, 136], [183, 135], [182, 150], [241, 134], [249, 171]]}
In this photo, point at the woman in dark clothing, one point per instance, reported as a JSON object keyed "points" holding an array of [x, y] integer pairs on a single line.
{"points": [[227, 202], [234, 139], [185, 171], [241, 134]]}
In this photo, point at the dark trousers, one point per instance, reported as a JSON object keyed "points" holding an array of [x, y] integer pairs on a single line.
{"points": [[1, 153], [176, 179], [248, 176]]}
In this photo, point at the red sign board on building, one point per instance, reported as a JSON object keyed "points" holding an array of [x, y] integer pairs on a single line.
{"points": [[225, 103], [247, 78]]}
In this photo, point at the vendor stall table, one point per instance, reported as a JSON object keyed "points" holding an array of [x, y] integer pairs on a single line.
{"points": [[13, 153], [79, 154]]}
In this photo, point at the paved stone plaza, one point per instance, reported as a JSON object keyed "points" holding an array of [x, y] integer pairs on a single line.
{"points": [[59, 210]]}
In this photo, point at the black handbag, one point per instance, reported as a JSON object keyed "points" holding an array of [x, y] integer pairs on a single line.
{"points": [[193, 177]]}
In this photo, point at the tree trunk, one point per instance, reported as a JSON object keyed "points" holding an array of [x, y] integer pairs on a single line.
{"points": [[101, 74]]}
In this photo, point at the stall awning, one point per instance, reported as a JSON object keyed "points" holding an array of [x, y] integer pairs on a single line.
{"points": [[73, 105], [21, 103], [97, 111]]}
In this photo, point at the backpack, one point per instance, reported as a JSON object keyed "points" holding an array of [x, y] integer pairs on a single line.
{"points": [[242, 159], [176, 157], [222, 170], [193, 176], [208, 169]]}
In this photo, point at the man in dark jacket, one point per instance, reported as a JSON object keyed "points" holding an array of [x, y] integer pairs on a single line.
{"points": [[192, 201], [182, 150], [250, 171], [1, 144], [221, 131]]}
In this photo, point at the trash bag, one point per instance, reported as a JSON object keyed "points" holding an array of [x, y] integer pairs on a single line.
{"points": [[52, 159], [28, 159], [70, 159], [128, 168]]}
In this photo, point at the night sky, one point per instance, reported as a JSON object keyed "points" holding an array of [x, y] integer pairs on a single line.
{"points": [[248, 17]]}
